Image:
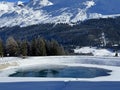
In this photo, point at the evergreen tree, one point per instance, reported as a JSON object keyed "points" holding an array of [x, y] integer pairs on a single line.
{"points": [[38, 47], [56, 49], [1, 48], [62, 51], [48, 48], [41, 47], [29, 49], [11, 47], [33, 46], [23, 48]]}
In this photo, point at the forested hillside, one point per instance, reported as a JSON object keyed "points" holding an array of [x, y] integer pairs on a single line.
{"points": [[87, 33]]}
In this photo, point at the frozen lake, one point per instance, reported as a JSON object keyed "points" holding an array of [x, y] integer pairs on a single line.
{"points": [[65, 72], [60, 68], [87, 73]]}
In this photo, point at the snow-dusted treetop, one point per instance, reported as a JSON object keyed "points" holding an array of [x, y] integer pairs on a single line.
{"points": [[55, 11]]}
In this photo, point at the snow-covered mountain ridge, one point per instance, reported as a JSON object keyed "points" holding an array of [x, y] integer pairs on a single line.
{"points": [[55, 11]]}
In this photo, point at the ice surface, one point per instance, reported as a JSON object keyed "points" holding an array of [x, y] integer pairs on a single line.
{"points": [[110, 63]]}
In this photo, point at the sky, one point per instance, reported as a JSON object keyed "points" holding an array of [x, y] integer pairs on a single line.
{"points": [[14, 0]]}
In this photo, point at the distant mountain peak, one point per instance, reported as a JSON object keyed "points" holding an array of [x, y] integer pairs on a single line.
{"points": [[55, 11], [89, 3], [39, 3], [20, 3]]}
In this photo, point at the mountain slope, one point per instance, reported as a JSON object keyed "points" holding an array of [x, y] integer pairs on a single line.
{"points": [[87, 33], [55, 11]]}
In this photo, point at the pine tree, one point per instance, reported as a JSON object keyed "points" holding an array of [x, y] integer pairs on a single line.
{"points": [[56, 49], [33, 46], [11, 47], [23, 48], [29, 49], [62, 51], [48, 48], [41, 47], [1, 48]]}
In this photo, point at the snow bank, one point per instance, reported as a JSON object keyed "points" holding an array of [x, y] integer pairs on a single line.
{"points": [[94, 51]]}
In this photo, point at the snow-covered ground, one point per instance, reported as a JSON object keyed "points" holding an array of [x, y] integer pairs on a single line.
{"points": [[94, 51], [15, 64]]}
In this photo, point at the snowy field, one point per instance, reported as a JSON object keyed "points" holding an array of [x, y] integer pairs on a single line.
{"points": [[12, 64], [95, 51]]}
